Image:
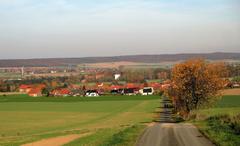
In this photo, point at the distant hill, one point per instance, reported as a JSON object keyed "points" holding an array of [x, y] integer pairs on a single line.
{"points": [[130, 58]]}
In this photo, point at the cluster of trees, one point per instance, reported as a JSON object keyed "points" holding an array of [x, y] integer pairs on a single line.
{"points": [[7, 86], [12, 85], [234, 69], [236, 79], [131, 75], [196, 84], [141, 75]]}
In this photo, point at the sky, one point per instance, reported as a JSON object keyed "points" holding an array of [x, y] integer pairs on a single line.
{"points": [[82, 28]]}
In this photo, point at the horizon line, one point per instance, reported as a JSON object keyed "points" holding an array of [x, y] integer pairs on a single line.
{"points": [[195, 53]]}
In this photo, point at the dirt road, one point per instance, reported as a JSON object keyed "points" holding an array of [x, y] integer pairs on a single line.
{"points": [[168, 133], [171, 134]]}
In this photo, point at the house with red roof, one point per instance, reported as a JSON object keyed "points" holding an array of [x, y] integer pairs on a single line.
{"points": [[61, 92], [131, 89], [116, 87], [25, 88], [32, 90], [35, 92], [155, 86]]}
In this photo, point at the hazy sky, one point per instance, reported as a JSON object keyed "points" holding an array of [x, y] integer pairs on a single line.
{"points": [[78, 28]]}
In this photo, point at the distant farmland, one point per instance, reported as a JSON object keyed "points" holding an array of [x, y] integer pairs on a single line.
{"points": [[10, 75], [158, 58], [132, 65]]}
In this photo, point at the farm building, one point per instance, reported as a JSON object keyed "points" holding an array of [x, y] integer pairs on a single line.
{"points": [[25, 88], [35, 92], [116, 89], [32, 90], [61, 92]]}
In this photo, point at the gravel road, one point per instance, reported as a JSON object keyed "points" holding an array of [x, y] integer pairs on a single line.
{"points": [[167, 133]]}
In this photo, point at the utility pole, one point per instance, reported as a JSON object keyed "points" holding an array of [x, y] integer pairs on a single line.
{"points": [[22, 71]]}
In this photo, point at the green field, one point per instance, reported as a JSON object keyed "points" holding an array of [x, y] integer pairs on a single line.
{"points": [[229, 104], [25, 119], [10, 75], [222, 122]]}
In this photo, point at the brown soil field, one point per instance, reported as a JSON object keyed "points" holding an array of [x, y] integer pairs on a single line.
{"points": [[54, 74], [235, 91]]}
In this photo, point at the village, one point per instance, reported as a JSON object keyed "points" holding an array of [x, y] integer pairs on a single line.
{"points": [[85, 81], [98, 89], [55, 82], [36, 90]]}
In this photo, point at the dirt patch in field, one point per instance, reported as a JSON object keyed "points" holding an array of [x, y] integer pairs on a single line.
{"points": [[57, 141], [235, 91], [151, 124], [10, 93]]}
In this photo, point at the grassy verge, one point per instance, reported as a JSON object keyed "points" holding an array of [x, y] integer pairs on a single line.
{"points": [[223, 130], [111, 137], [126, 137], [221, 123]]}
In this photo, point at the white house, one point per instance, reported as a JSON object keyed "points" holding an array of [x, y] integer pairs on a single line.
{"points": [[117, 76]]}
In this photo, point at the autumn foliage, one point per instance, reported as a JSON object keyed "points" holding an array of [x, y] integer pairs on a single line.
{"points": [[196, 84]]}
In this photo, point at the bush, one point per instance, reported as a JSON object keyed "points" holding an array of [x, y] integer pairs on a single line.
{"points": [[235, 123]]}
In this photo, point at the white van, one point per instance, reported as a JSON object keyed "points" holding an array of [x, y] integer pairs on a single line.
{"points": [[147, 91], [92, 93]]}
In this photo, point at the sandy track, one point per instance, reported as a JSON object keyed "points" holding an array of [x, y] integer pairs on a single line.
{"points": [[57, 141]]}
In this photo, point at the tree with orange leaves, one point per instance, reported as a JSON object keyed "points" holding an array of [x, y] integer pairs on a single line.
{"points": [[196, 84]]}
